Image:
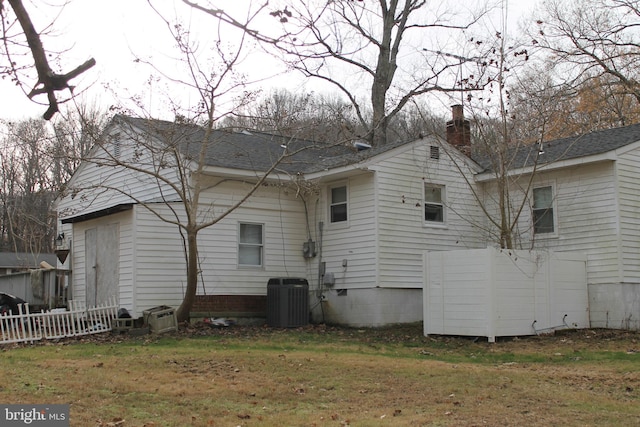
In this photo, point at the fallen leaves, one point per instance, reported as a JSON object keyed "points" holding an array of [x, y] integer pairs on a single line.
{"points": [[116, 422]]}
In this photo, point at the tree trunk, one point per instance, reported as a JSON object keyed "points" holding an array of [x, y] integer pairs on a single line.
{"points": [[384, 72], [378, 126], [192, 277]]}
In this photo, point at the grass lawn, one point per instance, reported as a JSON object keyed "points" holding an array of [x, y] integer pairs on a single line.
{"points": [[323, 376]]}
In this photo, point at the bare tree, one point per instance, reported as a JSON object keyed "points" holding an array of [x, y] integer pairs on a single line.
{"points": [[379, 44], [36, 161], [323, 118], [545, 106], [592, 40], [18, 29], [27, 191], [74, 132], [350, 45], [308, 115], [495, 142]]}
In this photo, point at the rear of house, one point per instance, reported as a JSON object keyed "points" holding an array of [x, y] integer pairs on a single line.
{"points": [[355, 230], [404, 201], [355, 225], [589, 204]]}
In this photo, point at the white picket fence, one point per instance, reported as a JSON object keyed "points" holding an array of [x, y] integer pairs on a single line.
{"points": [[74, 321]]}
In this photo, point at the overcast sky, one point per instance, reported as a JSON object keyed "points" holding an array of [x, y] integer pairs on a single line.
{"points": [[112, 32]]}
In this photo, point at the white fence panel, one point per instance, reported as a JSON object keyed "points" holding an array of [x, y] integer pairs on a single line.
{"points": [[492, 293], [58, 323], [19, 327]]}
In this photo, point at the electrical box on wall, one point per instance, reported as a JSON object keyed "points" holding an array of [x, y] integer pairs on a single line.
{"points": [[309, 249], [329, 280]]}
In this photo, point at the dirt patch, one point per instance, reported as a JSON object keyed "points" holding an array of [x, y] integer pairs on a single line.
{"points": [[412, 335], [406, 334]]}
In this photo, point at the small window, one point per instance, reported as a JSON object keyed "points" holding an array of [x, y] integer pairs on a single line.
{"points": [[434, 152], [339, 204], [433, 203], [543, 221], [250, 245]]}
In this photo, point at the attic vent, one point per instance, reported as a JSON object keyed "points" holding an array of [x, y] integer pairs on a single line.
{"points": [[434, 152], [114, 141]]}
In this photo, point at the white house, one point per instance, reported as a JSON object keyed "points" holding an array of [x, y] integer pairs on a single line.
{"points": [[585, 197], [354, 221]]}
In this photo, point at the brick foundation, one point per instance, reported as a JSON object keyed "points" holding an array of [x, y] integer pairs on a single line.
{"points": [[228, 304]]}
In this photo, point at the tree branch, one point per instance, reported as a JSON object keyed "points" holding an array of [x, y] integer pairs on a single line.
{"points": [[50, 81]]}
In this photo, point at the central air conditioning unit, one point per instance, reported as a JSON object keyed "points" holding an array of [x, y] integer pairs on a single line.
{"points": [[287, 302]]}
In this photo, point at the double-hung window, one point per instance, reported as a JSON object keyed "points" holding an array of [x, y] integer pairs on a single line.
{"points": [[543, 220], [433, 204], [251, 245], [338, 209]]}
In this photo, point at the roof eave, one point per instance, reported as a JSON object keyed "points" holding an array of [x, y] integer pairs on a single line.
{"points": [[86, 216], [244, 174], [340, 172], [546, 167], [332, 173]]}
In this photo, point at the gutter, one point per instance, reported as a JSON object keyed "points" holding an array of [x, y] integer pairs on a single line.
{"points": [[554, 165]]}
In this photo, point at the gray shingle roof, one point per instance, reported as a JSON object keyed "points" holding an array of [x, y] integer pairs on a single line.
{"points": [[570, 148], [25, 260], [255, 151]]}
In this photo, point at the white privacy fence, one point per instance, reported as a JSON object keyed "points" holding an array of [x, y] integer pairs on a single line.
{"points": [[58, 323], [493, 292]]}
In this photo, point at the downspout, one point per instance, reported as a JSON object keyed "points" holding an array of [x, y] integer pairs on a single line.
{"points": [[320, 291]]}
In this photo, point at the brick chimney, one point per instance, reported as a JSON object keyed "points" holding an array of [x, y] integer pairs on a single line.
{"points": [[459, 130]]}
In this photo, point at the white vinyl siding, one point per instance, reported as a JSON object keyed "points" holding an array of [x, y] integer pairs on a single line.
{"points": [[160, 248], [156, 263], [158, 266], [97, 185], [353, 243], [160, 274], [403, 236], [629, 206], [282, 215], [586, 217]]}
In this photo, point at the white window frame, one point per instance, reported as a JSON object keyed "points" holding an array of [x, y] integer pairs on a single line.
{"points": [[442, 204], [331, 204], [554, 212], [251, 245]]}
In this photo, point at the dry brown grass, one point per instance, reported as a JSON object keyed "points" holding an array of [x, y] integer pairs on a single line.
{"points": [[320, 376]]}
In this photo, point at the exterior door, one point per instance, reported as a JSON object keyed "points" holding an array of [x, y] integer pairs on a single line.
{"points": [[102, 255]]}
